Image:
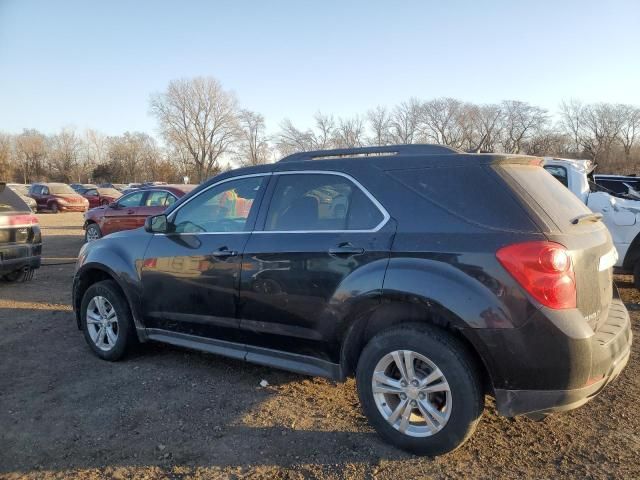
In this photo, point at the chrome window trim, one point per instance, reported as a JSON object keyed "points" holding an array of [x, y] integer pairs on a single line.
{"points": [[374, 200], [378, 205]]}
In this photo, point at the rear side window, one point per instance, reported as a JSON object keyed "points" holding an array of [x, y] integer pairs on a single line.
{"points": [[555, 199], [559, 173], [320, 202], [473, 193]]}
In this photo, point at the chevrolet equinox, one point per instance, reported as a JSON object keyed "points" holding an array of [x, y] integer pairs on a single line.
{"points": [[433, 276]]}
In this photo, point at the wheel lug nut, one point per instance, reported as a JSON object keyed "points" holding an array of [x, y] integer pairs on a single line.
{"points": [[413, 403], [403, 383], [421, 395], [403, 396], [414, 383]]}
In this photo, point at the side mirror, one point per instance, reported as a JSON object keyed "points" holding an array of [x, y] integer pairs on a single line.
{"points": [[114, 205], [156, 224]]}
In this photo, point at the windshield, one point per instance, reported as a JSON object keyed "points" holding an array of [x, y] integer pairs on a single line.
{"points": [[60, 189], [109, 192]]}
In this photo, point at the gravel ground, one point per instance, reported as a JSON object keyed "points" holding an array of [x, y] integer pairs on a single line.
{"points": [[171, 413]]}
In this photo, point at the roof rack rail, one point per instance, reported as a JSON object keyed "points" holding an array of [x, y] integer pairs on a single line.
{"points": [[413, 149]]}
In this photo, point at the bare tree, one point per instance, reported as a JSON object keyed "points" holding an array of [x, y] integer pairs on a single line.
{"points": [[64, 155], [133, 156], [6, 157], [199, 116], [379, 124], [521, 122], [253, 148], [486, 127], [31, 152], [443, 122], [349, 133], [405, 122], [629, 128]]}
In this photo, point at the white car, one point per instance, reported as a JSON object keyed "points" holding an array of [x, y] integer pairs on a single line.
{"points": [[620, 215]]}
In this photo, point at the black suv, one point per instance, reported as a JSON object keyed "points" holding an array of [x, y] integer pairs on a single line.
{"points": [[433, 276]]}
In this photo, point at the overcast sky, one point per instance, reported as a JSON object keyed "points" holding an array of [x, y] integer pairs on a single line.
{"points": [[94, 64]]}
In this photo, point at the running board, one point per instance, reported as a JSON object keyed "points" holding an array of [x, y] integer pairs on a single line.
{"points": [[293, 362]]}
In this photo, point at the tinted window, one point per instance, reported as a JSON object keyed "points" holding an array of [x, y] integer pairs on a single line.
{"points": [[158, 199], [473, 193], [223, 208], [132, 200], [92, 192], [557, 201], [559, 173], [317, 202]]}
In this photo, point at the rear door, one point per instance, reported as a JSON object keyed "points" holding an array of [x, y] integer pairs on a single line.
{"points": [[320, 237], [93, 197]]}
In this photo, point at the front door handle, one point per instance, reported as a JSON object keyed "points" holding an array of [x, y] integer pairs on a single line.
{"points": [[224, 252], [131, 211], [345, 249]]}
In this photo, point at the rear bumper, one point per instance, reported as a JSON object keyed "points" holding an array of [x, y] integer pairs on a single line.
{"points": [[610, 351], [16, 257]]}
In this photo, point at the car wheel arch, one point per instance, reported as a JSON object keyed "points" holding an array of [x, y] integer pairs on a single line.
{"points": [[94, 273], [392, 313]]}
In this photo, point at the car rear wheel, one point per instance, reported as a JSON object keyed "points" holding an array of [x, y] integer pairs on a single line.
{"points": [[106, 321], [92, 233], [419, 388]]}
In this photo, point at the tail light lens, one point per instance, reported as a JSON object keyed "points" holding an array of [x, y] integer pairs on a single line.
{"points": [[18, 220], [544, 270]]}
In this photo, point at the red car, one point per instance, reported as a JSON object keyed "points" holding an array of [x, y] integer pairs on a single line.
{"points": [[99, 196], [131, 210], [57, 197]]}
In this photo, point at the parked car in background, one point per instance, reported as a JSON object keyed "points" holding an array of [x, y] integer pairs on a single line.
{"points": [[99, 196], [431, 291], [82, 186], [619, 184], [118, 186], [57, 197], [131, 210], [620, 212], [22, 190], [20, 239]]}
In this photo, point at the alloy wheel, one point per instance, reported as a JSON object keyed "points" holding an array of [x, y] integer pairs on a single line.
{"points": [[92, 233], [102, 323], [411, 393]]}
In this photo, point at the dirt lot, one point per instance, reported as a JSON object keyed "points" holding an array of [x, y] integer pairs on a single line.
{"points": [[171, 413]]}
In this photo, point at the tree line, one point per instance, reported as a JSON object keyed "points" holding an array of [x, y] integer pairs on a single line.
{"points": [[203, 130]]}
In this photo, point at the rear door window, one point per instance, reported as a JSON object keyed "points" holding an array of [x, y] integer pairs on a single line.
{"points": [[131, 200], [320, 202]]}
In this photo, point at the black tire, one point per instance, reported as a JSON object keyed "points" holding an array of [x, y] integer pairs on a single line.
{"points": [[94, 227], [21, 275], [126, 334], [54, 207], [453, 360]]}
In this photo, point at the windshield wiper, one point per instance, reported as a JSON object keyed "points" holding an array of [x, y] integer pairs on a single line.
{"points": [[587, 217]]}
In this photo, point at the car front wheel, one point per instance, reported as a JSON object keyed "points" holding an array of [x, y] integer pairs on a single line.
{"points": [[419, 388], [106, 319], [92, 233]]}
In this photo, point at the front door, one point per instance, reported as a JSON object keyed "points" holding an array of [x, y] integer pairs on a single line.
{"points": [[191, 276], [325, 243], [121, 215]]}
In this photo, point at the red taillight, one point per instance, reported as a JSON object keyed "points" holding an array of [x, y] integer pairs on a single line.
{"points": [[544, 270], [18, 220]]}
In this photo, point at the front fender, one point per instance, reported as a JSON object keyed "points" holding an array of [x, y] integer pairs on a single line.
{"points": [[119, 257]]}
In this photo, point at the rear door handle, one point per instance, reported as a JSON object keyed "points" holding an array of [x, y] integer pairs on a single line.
{"points": [[224, 252], [345, 249], [131, 211]]}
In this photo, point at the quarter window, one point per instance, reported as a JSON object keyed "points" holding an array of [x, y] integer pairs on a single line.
{"points": [[223, 208], [320, 202], [559, 173]]}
